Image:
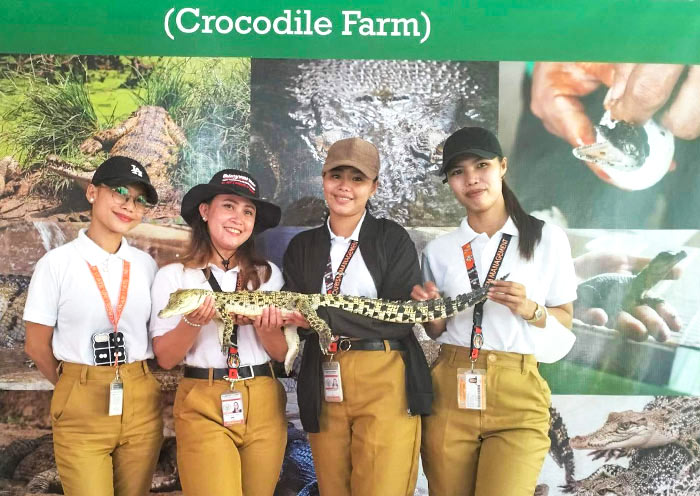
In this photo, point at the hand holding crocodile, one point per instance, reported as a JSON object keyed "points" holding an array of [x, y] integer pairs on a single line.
{"points": [[514, 296], [616, 298], [296, 319], [241, 319], [628, 148], [639, 91], [202, 314], [428, 291], [268, 326]]}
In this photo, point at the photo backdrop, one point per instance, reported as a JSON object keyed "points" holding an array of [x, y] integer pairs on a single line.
{"points": [[188, 90]]}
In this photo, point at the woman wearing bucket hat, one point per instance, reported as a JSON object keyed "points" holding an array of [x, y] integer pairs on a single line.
{"points": [[491, 404], [361, 403], [86, 317], [229, 409]]}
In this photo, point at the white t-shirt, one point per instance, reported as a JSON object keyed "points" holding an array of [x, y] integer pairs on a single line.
{"points": [[357, 281], [548, 277], [206, 350], [63, 294]]}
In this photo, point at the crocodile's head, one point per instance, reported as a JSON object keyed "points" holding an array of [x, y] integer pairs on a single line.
{"points": [[183, 301], [660, 266], [626, 429]]}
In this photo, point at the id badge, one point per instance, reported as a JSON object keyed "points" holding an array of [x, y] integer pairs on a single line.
{"points": [[232, 408], [332, 385], [471, 389], [116, 397]]}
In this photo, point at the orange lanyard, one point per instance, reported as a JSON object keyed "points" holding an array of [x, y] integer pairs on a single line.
{"points": [[111, 315]]}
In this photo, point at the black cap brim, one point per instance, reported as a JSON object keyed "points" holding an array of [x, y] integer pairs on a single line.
{"points": [[151, 193], [267, 214], [471, 151]]}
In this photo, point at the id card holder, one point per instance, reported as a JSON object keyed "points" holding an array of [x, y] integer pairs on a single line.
{"points": [[332, 384], [116, 397], [232, 408], [471, 389]]}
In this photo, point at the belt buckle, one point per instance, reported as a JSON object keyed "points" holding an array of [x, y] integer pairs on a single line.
{"points": [[252, 372], [345, 344]]}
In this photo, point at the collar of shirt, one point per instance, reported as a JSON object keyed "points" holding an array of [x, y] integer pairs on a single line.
{"points": [[95, 255], [507, 228], [355, 236], [226, 278]]}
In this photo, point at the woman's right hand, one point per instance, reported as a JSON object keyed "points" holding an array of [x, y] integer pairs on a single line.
{"points": [[428, 291], [203, 314]]}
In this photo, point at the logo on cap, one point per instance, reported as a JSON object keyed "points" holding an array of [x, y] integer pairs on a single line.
{"points": [[136, 171], [238, 180]]}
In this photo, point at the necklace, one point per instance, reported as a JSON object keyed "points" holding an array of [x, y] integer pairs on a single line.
{"points": [[224, 261]]}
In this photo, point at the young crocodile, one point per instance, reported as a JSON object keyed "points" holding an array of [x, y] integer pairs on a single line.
{"points": [[251, 304], [664, 471], [615, 292], [149, 136], [663, 421]]}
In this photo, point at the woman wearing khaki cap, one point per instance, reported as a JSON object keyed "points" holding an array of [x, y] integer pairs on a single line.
{"points": [[491, 404], [86, 316], [361, 403]]}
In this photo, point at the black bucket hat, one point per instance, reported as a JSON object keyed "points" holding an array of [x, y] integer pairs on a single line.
{"points": [[231, 182], [122, 171], [470, 140]]}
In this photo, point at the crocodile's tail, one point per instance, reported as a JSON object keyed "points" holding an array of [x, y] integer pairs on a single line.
{"points": [[560, 449], [406, 312]]}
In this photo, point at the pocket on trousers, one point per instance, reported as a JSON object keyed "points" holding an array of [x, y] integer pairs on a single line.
{"points": [[544, 387], [155, 382], [184, 390], [62, 393]]}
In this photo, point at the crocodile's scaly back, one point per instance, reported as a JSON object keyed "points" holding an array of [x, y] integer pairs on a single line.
{"points": [[405, 312]]}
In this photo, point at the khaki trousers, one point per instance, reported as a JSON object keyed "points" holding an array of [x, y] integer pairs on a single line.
{"points": [[493, 452], [97, 454], [368, 444], [243, 459]]}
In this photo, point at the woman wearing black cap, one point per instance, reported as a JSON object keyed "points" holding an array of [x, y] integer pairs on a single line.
{"points": [[361, 403], [488, 434], [229, 409], [86, 317]]}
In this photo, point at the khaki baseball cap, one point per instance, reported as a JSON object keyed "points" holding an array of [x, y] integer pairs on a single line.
{"points": [[353, 152]]}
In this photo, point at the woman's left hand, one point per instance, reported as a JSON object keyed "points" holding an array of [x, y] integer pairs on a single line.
{"points": [[513, 295], [270, 321], [241, 319]]}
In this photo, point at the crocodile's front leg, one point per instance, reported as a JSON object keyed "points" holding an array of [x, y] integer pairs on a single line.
{"points": [[317, 324], [292, 338], [106, 138], [224, 327]]}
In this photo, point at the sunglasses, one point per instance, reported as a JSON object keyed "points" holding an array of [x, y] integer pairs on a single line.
{"points": [[121, 196]]}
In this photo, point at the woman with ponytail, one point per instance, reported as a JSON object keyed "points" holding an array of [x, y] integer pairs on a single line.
{"points": [[491, 405]]}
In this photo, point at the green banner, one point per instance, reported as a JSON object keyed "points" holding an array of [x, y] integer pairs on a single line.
{"points": [[594, 30]]}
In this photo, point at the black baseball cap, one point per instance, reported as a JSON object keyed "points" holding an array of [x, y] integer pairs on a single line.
{"points": [[470, 140], [122, 171], [231, 182]]}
